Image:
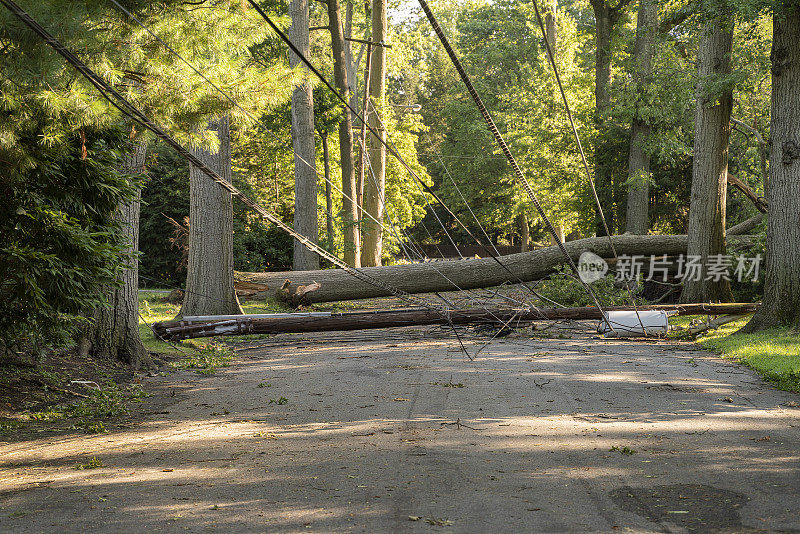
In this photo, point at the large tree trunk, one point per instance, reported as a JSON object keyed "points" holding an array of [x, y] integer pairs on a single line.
{"points": [[340, 74], [337, 285], [638, 159], [710, 168], [372, 234], [114, 335], [209, 277], [305, 172], [781, 303]]}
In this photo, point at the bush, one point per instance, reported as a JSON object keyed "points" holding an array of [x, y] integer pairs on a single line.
{"points": [[258, 248], [61, 243]]}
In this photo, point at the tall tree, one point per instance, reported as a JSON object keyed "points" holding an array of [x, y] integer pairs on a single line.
{"points": [[305, 172], [607, 19], [375, 184], [114, 333], [551, 32], [638, 158], [209, 277], [349, 207], [706, 228], [781, 302]]}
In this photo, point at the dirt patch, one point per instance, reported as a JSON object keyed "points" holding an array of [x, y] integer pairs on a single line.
{"points": [[28, 391]]}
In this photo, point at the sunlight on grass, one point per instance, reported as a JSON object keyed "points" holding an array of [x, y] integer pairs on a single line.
{"points": [[153, 307], [774, 354]]}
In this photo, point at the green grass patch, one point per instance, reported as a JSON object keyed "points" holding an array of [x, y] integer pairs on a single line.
{"points": [[93, 463], [154, 308], [774, 354], [207, 359]]}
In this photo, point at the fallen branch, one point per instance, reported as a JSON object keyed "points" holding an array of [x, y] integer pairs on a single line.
{"points": [[714, 323], [759, 202], [745, 226]]}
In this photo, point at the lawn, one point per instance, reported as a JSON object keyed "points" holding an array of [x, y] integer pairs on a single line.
{"points": [[774, 354], [154, 307]]}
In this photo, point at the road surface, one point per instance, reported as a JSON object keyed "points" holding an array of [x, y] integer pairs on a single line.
{"points": [[397, 431]]}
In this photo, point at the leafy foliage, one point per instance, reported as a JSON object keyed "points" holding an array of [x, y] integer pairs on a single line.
{"points": [[60, 242]]}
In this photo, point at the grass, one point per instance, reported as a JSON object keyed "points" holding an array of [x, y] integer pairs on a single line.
{"points": [[154, 308], [774, 354], [109, 401], [208, 359]]}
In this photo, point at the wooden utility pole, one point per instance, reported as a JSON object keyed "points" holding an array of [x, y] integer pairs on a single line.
{"points": [[303, 322]]}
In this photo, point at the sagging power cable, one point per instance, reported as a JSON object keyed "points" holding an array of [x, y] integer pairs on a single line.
{"points": [[503, 146], [124, 106], [589, 178], [389, 147]]}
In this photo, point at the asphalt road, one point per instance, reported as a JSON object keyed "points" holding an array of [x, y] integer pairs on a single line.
{"points": [[399, 432]]}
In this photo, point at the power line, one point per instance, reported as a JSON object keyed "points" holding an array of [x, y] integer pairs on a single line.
{"points": [[122, 104], [503, 145]]}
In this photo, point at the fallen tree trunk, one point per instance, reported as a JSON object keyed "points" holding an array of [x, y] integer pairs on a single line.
{"points": [[428, 277], [304, 322]]}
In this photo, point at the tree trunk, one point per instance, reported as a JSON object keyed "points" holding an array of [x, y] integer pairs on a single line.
{"points": [[428, 277], [328, 191], [349, 207], [524, 232], [209, 277], [551, 30], [638, 160], [604, 25], [362, 137], [372, 234], [305, 172], [114, 335], [781, 303], [710, 167]]}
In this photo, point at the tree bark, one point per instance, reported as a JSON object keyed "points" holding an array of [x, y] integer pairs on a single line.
{"points": [[375, 184], [638, 159], [551, 30], [362, 139], [524, 232], [305, 172], [340, 74], [781, 303], [710, 166], [209, 277], [606, 18], [429, 277], [114, 335], [328, 191]]}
